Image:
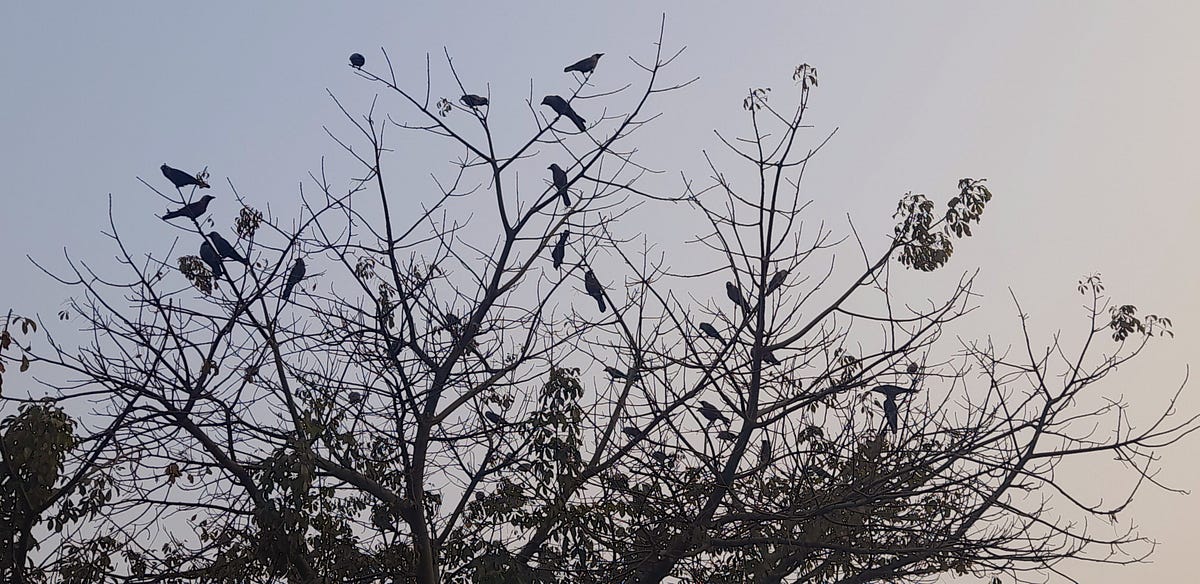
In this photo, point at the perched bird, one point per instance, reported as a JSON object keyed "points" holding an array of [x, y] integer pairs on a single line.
{"points": [[592, 286], [764, 453], [354, 397], [493, 417], [560, 250], [632, 432], [473, 101], [726, 435], [891, 411], [225, 249], [711, 413], [584, 66], [180, 178], [767, 355], [777, 281], [660, 456], [560, 183], [615, 373], [562, 108], [191, 210], [735, 294], [357, 61], [210, 257], [294, 278], [913, 368], [711, 331]]}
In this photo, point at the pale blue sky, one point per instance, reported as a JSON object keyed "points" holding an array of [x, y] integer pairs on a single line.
{"points": [[1083, 120]]}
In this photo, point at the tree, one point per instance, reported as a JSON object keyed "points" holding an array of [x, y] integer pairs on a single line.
{"points": [[435, 402]]}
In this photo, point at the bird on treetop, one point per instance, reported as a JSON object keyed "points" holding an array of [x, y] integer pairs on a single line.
{"points": [[473, 101], [560, 182], [210, 257], [592, 286], [735, 294], [180, 178], [711, 331], [584, 66], [562, 108], [560, 250], [225, 249], [711, 413], [191, 210], [294, 278], [357, 61]]}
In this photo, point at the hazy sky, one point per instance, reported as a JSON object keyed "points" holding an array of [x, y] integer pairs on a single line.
{"points": [[1083, 121]]}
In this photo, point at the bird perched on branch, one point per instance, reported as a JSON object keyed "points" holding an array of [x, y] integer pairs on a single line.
{"points": [[225, 249], [767, 355], [560, 182], [473, 101], [735, 294], [357, 61], [560, 250], [711, 331], [584, 66], [891, 411], [632, 432], [493, 417], [615, 373], [210, 257], [294, 278], [711, 413], [562, 108], [180, 178], [726, 435], [592, 286], [191, 210], [777, 281]]}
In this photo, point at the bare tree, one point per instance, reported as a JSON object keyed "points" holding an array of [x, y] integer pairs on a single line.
{"points": [[502, 386]]}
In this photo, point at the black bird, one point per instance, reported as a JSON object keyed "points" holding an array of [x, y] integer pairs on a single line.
{"points": [[585, 66], [913, 368], [592, 286], [180, 178], [735, 294], [632, 432], [660, 456], [294, 278], [354, 397], [777, 281], [711, 413], [764, 453], [210, 257], [726, 435], [493, 417], [615, 373], [560, 250], [473, 101], [225, 249], [191, 210], [394, 348], [560, 183], [562, 108], [357, 61], [890, 410], [711, 331], [768, 356]]}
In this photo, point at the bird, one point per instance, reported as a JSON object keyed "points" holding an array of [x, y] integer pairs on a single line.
{"points": [[180, 178], [493, 417], [711, 331], [764, 453], [225, 249], [615, 373], [294, 278], [560, 183], [354, 397], [632, 432], [191, 210], [767, 355], [473, 101], [913, 368], [735, 294], [777, 281], [711, 413], [210, 257], [891, 411], [560, 250], [562, 108], [726, 435], [584, 66], [593, 288], [357, 61], [660, 456]]}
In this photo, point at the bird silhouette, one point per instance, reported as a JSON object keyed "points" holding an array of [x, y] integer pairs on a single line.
{"points": [[615, 373], [767, 355], [632, 432], [711, 413], [711, 331], [726, 435], [191, 210], [210, 257], [592, 286], [584, 66], [473, 101], [294, 278], [180, 178], [777, 281], [226, 250], [891, 411], [357, 61], [493, 417], [764, 453], [560, 183], [735, 294], [562, 108], [660, 456], [560, 250]]}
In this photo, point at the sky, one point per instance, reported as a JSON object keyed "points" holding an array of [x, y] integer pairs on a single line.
{"points": [[1082, 120]]}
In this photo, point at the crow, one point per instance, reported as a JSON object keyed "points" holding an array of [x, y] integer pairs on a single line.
{"points": [[560, 250], [764, 453], [294, 278], [473, 101], [711, 331], [711, 413], [632, 432], [767, 355], [592, 286], [191, 210], [180, 178], [891, 411], [493, 417], [357, 61], [615, 373], [560, 183], [726, 435], [735, 294], [210, 257], [225, 249], [585, 66], [562, 108], [777, 281]]}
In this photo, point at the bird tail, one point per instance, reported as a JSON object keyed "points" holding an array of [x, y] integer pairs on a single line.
{"points": [[579, 121], [566, 199], [287, 291], [171, 215], [600, 301]]}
